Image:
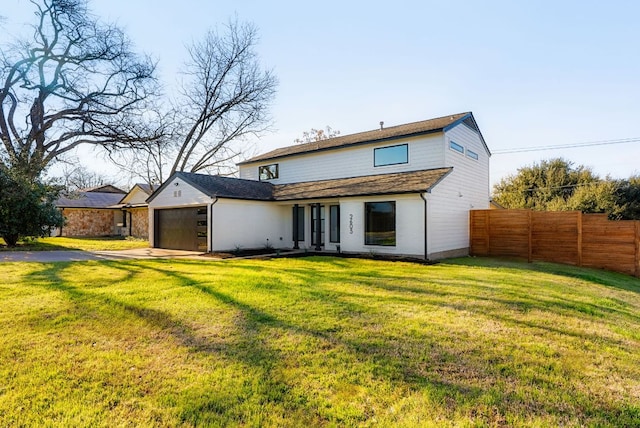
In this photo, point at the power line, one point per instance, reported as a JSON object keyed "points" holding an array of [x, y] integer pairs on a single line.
{"points": [[567, 146]]}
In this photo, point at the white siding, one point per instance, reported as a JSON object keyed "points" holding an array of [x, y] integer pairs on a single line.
{"points": [[177, 194], [465, 188], [135, 196], [409, 225], [248, 224], [425, 152]]}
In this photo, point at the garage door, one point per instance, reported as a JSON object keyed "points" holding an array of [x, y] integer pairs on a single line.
{"points": [[181, 228]]}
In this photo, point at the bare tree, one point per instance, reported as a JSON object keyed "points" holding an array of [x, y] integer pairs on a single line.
{"points": [[80, 178], [76, 81], [315, 135], [224, 97], [149, 160]]}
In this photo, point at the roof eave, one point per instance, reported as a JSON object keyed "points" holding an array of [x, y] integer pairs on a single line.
{"points": [[461, 121]]}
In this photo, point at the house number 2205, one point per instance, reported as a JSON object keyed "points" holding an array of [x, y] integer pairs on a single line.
{"points": [[350, 224]]}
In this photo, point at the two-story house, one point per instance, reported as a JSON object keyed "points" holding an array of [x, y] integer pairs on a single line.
{"points": [[402, 190]]}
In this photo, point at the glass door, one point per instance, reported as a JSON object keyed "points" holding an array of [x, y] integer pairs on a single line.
{"points": [[314, 218]]}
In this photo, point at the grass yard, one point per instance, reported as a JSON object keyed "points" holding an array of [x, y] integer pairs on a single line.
{"points": [[85, 244], [317, 342]]}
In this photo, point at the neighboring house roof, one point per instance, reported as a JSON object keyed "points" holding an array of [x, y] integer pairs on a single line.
{"points": [[91, 199], [407, 130], [146, 188], [108, 188], [136, 196], [223, 187], [381, 184]]}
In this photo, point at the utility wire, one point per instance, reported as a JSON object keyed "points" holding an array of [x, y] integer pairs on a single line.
{"points": [[567, 146]]}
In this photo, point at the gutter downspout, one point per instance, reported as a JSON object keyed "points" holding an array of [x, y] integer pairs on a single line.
{"points": [[211, 224], [426, 226]]}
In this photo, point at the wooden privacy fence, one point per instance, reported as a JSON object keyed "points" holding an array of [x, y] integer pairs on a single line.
{"points": [[569, 237]]}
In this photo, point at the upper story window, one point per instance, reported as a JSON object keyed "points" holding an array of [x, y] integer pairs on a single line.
{"points": [[391, 155], [472, 155], [456, 147], [268, 172]]}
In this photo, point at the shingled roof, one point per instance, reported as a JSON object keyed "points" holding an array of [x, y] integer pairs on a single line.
{"points": [[91, 199], [369, 185], [216, 186], [367, 137], [381, 184]]}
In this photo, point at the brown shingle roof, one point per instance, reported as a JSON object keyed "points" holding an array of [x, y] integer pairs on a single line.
{"points": [[382, 184], [370, 185], [422, 127]]}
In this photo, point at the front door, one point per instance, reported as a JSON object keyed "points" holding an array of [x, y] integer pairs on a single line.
{"points": [[314, 218]]}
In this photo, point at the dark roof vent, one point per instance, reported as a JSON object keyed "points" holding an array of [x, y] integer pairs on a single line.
{"points": [[381, 125]]}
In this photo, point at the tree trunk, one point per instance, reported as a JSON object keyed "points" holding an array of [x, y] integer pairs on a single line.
{"points": [[11, 240]]}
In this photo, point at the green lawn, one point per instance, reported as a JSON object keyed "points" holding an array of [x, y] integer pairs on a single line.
{"points": [[317, 342], [85, 244]]}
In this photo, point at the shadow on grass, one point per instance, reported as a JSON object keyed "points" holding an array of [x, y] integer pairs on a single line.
{"points": [[36, 246], [414, 364]]}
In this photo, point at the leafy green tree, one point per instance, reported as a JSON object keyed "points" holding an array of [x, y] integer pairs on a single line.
{"points": [[628, 198], [544, 186], [596, 197], [26, 207]]}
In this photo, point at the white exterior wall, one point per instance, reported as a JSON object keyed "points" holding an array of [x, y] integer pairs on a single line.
{"points": [[465, 188], [248, 225], [425, 152], [136, 196], [177, 194], [409, 225]]}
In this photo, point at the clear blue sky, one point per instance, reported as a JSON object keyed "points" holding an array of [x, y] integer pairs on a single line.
{"points": [[533, 73]]}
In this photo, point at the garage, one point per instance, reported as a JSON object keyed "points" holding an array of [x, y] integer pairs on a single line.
{"points": [[181, 228]]}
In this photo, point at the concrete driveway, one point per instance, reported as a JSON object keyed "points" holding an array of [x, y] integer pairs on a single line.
{"points": [[72, 256]]}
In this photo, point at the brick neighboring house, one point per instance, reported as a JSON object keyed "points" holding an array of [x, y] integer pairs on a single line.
{"points": [[134, 205], [91, 213], [106, 211]]}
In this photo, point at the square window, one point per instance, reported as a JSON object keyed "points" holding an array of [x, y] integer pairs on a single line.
{"points": [[268, 172]]}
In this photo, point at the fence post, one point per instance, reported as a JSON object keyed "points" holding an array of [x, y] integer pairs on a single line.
{"points": [[530, 256], [580, 215], [488, 226]]}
